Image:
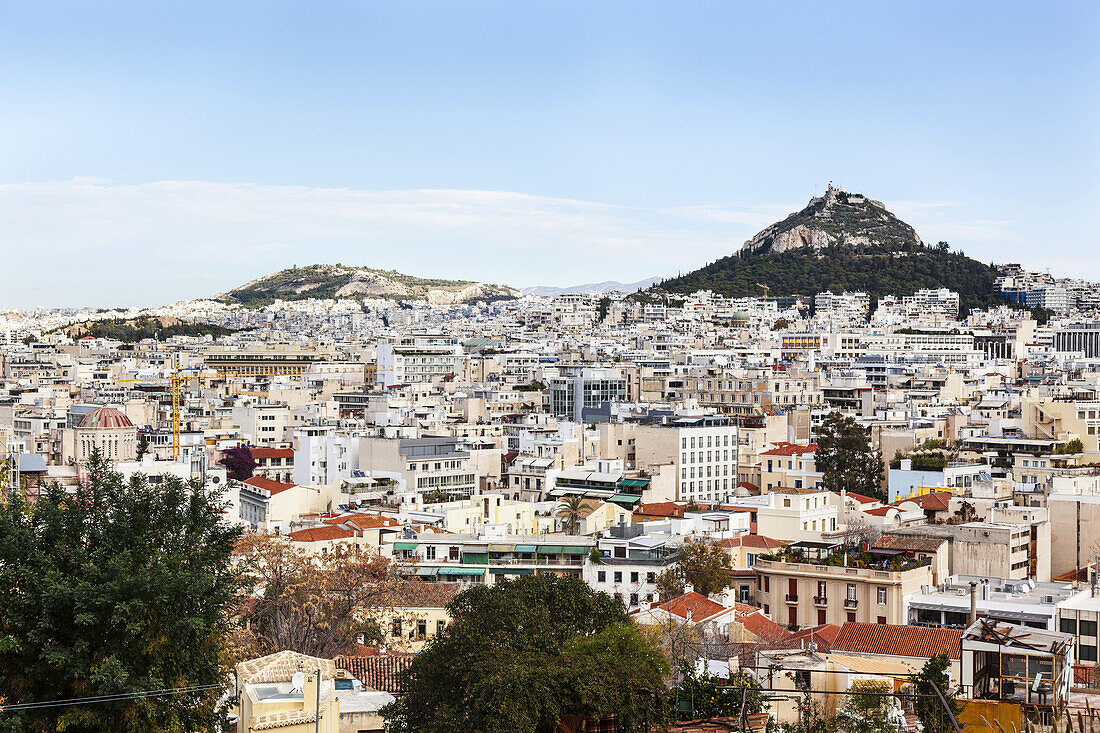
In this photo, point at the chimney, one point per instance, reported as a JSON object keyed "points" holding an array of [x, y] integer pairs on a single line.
{"points": [[973, 601], [689, 588]]}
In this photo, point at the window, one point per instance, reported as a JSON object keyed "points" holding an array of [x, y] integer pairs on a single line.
{"points": [[852, 617], [397, 627], [882, 596], [851, 592], [882, 620], [618, 577], [634, 599], [820, 617], [601, 577], [1087, 653], [422, 629], [1088, 628], [767, 583], [429, 552], [1068, 626], [651, 577], [792, 615], [633, 577], [439, 626]]}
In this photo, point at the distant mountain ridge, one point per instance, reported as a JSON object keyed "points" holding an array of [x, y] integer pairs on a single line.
{"points": [[841, 241], [342, 281], [607, 286]]}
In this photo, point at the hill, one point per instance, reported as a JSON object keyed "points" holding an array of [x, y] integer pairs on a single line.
{"points": [[132, 330], [841, 241], [341, 281], [607, 286]]}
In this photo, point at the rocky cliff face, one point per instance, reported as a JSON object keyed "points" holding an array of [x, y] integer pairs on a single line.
{"points": [[837, 218]]}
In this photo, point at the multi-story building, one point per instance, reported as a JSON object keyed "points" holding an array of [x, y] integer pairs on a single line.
{"points": [[701, 451], [802, 594], [789, 465], [436, 467], [417, 359], [577, 394], [464, 558]]}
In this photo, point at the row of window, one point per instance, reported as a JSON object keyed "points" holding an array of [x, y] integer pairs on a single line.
{"points": [[690, 456], [713, 441], [617, 577]]}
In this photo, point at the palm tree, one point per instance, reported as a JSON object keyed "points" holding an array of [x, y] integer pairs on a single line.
{"points": [[571, 511]]}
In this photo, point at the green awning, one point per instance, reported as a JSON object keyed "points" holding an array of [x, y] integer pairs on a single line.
{"points": [[575, 550], [475, 558], [404, 545], [625, 499], [427, 572], [550, 550], [525, 548], [634, 483], [462, 571], [512, 571], [500, 548]]}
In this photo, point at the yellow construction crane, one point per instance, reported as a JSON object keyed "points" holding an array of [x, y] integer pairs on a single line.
{"points": [[178, 377], [765, 287]]}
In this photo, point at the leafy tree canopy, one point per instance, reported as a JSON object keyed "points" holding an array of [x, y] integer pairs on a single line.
{"points": [[114, 588], [704, 565], [239, 463], [522, 654], [845, 457], [930, 710]]}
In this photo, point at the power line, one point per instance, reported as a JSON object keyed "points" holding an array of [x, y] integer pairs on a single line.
{"points": [[120, 697]]}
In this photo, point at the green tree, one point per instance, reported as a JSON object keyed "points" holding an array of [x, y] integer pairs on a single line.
{"points": [[812, 717], [933, 716], [142, 446], [845, 457], [572, 511], [521, 655], [867, 710], [704, 565], [1070, 448], [114, 588], [706, 696]]}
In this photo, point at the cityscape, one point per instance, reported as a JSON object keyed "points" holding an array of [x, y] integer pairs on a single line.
{"points": [[413, 452]]}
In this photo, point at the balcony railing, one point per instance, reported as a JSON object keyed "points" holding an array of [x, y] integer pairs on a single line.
{"points": [[821, 601], [792, 598], [851, 603]]}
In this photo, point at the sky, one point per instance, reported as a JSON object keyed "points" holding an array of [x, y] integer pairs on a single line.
{"points": [[157, 151]]}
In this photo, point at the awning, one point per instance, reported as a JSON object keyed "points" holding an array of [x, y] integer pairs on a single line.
{"points": [[550, 550], [462, 571], [475, 558], [500, 548], [625, 499], [512, 571], [636, 483], [525, 548], [427, 572], [575, 550], [404, 545]]}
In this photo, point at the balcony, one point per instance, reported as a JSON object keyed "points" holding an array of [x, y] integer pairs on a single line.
{"points": [[851, 604], [821, 601], [792, 598]]}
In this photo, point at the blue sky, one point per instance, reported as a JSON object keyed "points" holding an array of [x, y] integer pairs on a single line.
{"points": [[151, 152]]}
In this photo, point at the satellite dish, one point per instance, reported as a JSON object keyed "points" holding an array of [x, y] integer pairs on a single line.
{"points": [[298, 682]]}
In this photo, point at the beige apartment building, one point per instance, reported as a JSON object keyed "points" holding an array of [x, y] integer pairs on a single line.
{"points": [[755, 393], [804, 594], [1062, 420]]}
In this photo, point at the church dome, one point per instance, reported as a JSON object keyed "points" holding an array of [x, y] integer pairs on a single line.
{"points": [[105, 417]]}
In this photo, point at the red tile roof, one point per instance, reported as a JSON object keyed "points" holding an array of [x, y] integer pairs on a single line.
{"points": [[768, 631], [937, 501], [700, 607], [790, 449], [880, 511], [263, 454], [272, 487], [661, 509], [756, 541], [861, 498], [318, 534], [364, 521], [899, 641], [821, 636]]}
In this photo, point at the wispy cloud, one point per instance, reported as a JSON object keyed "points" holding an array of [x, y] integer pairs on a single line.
{"points": [[156, 241]]}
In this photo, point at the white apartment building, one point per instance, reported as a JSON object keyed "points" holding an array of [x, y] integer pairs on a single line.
{"points": [[792, 514], [262, 423], [703, 454], [324, 456], [417, 359]]}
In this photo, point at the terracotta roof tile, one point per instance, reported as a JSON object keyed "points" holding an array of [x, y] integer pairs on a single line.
{"points": [[273, 487], [661, 509], [319, 534], [755, 541], [267, 453], [768, 631], [790, 449], [900, 641], [700, 607]]}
